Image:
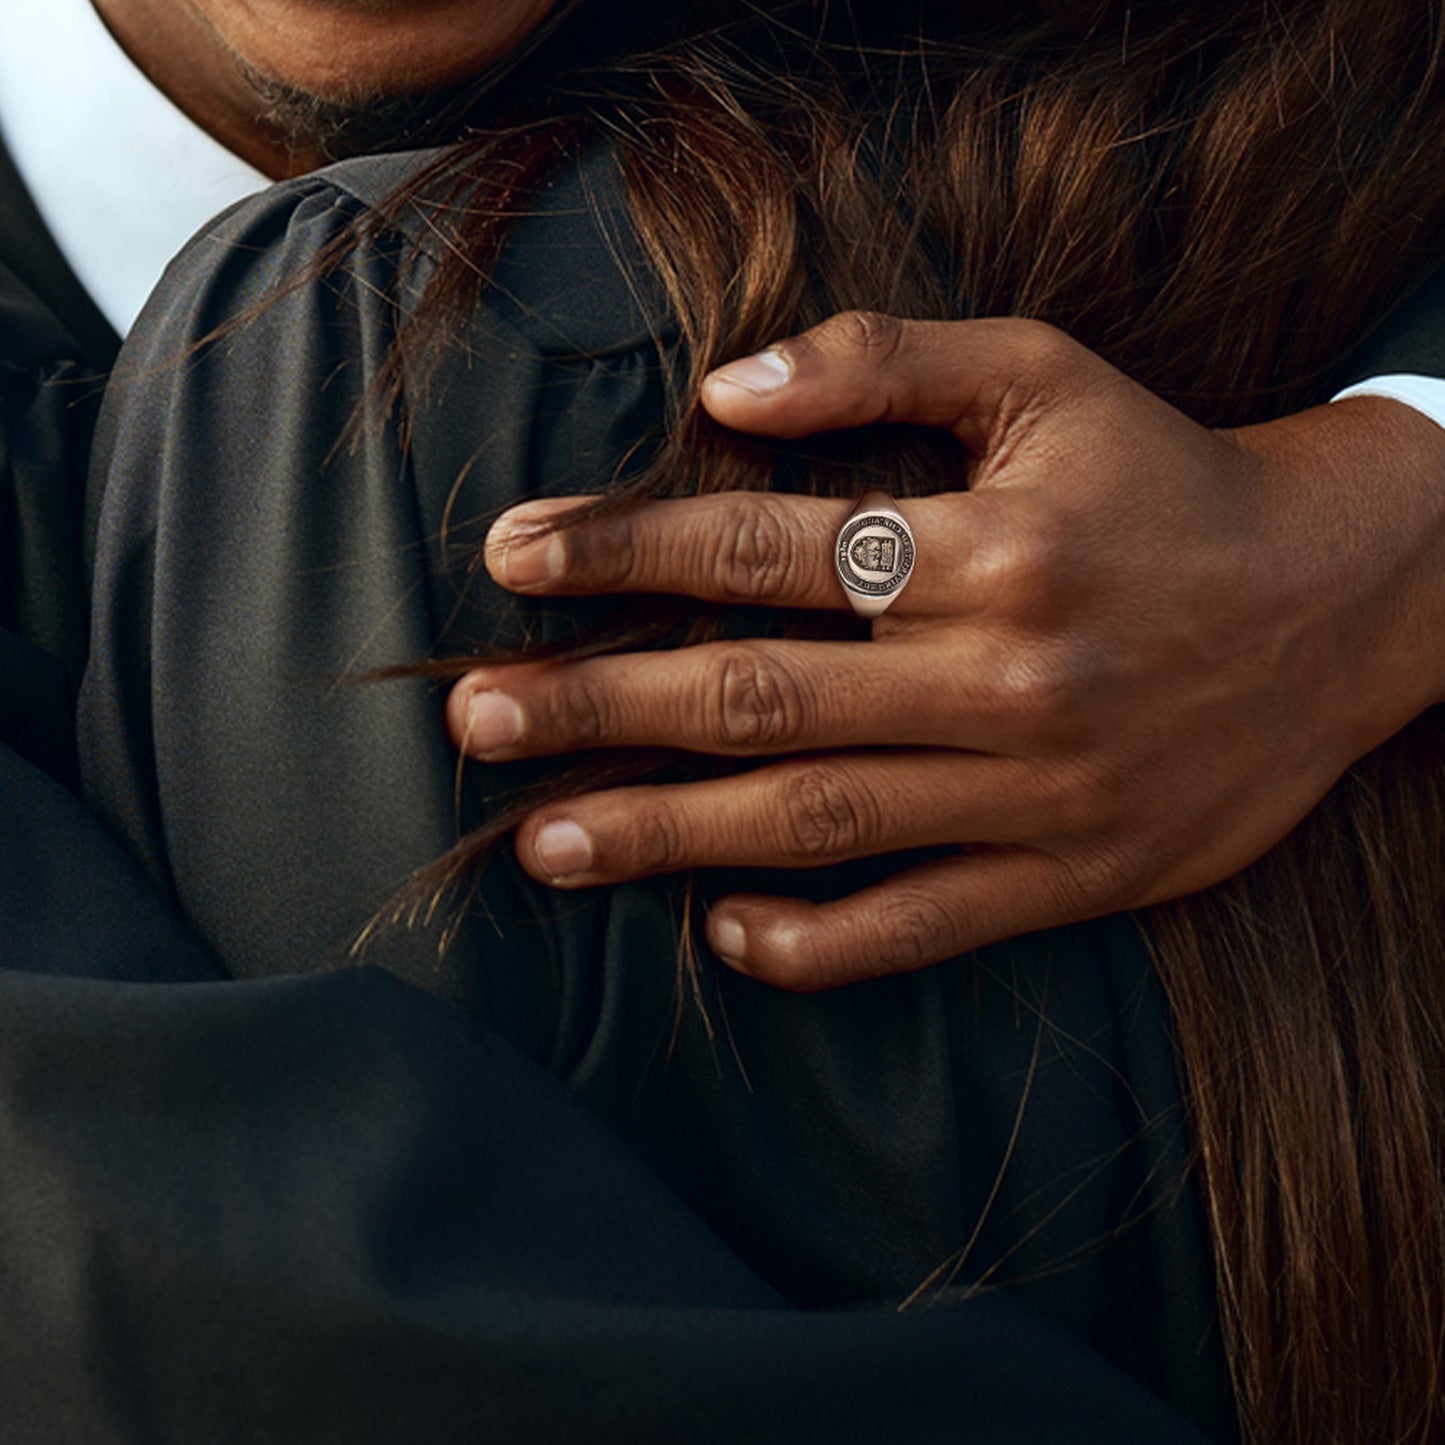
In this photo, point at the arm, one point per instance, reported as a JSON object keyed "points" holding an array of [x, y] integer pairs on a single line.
{"points": [[1132, 656]]}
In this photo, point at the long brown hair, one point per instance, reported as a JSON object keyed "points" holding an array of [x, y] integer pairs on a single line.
{"points": [[1221, 200]]}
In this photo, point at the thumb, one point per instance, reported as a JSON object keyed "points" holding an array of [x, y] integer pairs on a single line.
{"points": [[972, 378]]}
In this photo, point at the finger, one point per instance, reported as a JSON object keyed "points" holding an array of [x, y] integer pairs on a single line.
{"points": [[757, 697], [972, 378], [801, 813], [736, 547], [744, 547], [917, 917]]}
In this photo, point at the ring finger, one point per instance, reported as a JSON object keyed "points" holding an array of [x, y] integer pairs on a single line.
{"points": [[802, 813], [734, 547]]}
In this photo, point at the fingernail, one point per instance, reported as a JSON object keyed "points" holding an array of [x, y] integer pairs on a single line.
{"points": [[563, 849], [762, 374], [529, 564], [729, 940], [494, 721]]}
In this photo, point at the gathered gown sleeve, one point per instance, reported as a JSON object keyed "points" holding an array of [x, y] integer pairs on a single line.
{"points": [[266, 542], [254, 563]]}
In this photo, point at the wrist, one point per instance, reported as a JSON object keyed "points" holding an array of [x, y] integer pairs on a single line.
{"points": [[1361, 482]]}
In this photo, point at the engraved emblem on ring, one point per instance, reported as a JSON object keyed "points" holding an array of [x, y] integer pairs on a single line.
{"points": [[874, 555]]}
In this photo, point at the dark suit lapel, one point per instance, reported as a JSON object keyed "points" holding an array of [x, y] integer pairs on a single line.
{"points": [[54, 346], [29, 251]]}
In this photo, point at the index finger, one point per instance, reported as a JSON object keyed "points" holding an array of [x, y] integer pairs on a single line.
{"points": [[975, 379], [734, 547]]}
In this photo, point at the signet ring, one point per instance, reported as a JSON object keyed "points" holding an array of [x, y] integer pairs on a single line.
{"points": [[874, 554]]}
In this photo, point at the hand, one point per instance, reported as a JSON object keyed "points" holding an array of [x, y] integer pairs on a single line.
{"points": [[1131, 657]]}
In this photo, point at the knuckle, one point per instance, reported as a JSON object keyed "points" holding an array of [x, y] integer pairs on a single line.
{"points": [[791, 959], [1026, 571], [1043, 349], [583, 715], [1062, 680], [1043, 694], [827, 814], [915, 929], [605, 554], [1095, 881], [634, 555], [759, 555], [874, 334], [1045, 369], [1084, 801], [760, 703], [656, 841]]}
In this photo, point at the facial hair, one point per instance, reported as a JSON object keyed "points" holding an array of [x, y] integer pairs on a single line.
{"points": [[360, 124]]}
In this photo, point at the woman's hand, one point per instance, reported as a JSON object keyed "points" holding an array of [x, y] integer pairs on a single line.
{"points": [[1131, 657]]}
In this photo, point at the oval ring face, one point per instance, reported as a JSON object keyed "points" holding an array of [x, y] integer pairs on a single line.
{"points": [[874, 558]]}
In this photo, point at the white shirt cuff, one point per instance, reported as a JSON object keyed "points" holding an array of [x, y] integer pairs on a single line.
{"points": [[1426, 394]]}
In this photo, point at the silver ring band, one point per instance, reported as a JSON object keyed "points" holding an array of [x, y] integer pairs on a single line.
{"points": [[874, 554]]}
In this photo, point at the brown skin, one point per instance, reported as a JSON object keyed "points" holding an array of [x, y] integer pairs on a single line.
{"points": [[1129, 660], [195, 51]]}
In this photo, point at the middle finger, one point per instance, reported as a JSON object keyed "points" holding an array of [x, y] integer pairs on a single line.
{"points": [[749, 698]]}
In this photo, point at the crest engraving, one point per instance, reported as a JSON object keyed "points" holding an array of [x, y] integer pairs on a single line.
{"points": [[874, 554]]}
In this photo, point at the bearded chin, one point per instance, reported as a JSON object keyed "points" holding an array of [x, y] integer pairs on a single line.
{"points": [[334, 128]]}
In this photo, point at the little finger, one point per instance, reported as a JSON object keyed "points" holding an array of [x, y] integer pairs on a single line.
{"points": [[915, 918]]}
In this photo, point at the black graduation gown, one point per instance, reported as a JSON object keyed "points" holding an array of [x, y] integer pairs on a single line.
{"points": [[1012, 1119]]}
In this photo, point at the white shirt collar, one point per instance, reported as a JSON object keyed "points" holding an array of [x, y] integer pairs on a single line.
{"points": [[120, 176]]}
